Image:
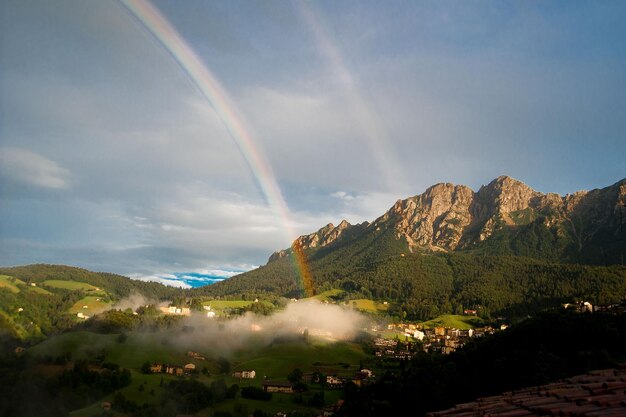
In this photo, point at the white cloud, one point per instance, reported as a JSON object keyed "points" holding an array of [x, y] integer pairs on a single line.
{"points": [[225, 273], [32, 168], [342, 195], [165, 279]]}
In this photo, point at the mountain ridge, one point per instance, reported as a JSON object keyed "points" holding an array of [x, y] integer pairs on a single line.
{"points": [[448, 217]]}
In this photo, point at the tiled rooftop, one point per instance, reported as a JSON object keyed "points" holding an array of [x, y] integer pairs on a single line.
{"points": [[596, 394]]}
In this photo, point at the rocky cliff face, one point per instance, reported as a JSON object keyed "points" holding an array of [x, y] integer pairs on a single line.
{"points": [[324, 236], [450, 217]]}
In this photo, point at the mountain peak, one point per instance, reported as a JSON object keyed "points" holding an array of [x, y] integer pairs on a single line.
{"points": [[448, 217], [324, 236]]}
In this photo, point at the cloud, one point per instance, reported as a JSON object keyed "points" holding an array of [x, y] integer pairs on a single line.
{"points": [[31, 168], [165, 279], [326, 321], [133, 301], [342, 195], [226, 273]]}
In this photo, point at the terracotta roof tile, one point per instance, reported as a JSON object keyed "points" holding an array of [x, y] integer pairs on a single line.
{"points": [[599, 393]]}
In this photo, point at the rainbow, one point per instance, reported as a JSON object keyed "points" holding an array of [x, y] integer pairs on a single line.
{"points": [[365, 116], [231, 118]]}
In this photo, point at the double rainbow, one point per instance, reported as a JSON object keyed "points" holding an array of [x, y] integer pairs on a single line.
{"points": [[231, 118]]}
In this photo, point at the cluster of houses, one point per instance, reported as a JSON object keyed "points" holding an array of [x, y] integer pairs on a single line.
{"points": [[179, 311], [394, 349], [438, 339], [360, 378], [186, 370], [587, 307]]}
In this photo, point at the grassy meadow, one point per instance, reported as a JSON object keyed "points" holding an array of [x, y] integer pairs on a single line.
{"points": [[69, 285], [454, 321], [274, 361]]}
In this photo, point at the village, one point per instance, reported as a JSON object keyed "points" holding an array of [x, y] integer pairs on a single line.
{"points": [[439, 339]]}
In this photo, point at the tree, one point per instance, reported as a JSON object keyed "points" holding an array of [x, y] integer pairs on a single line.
{"points": [[145, 368], [317, 400], [223, 364], [295, 376]]}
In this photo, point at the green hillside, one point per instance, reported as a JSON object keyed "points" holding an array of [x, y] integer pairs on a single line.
{"points": [[454, 321], [116, 285], [425, 285], [40, 300]]}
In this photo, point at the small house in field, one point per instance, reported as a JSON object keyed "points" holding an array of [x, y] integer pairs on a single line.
{"points": [[278, 386], [247, 374], [195, 355], [156, 368], [189, 368], [174, 370], [334, 381]]}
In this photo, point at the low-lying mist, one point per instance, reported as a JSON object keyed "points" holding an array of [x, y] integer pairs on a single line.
{"points": [[136, 300], [298, 321]]}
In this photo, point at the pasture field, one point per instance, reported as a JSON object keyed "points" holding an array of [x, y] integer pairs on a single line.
{"points": [[278, 360], [94, 305], [279, 402], [391, 334], [368, 305], [454, 321], [39, 290], [222, 304], [219, 306], [11, 284], [82, 344], [327, 295], [274, 361], [69, 285]]}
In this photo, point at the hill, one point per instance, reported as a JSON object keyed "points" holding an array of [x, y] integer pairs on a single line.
{"points": [[505, 249], [39, 300]]}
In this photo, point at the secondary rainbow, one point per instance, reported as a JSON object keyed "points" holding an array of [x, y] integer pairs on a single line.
{"points": [[152, 19], [365, 116]]}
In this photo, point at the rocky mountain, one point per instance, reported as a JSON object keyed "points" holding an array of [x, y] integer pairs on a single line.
{"points": [[506, 250], [503, 217]]}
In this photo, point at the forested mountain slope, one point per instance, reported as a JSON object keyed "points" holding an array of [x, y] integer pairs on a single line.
{"points": [[505, 249]]}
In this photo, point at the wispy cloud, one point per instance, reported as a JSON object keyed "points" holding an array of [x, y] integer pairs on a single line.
{"points": [[342, 195], [31, 168]]}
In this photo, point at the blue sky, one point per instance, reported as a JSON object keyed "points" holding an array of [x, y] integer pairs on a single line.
{"points": [[111, 159]]}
